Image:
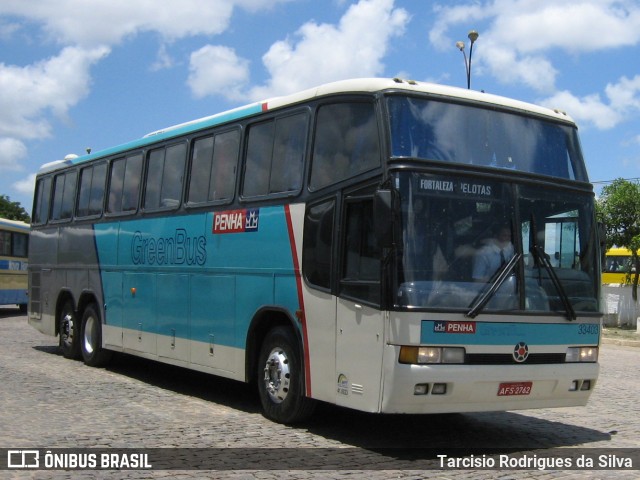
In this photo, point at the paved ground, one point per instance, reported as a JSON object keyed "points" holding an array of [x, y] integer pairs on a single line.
{"points": [[48, 402]]}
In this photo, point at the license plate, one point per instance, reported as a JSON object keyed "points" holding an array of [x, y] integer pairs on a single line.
{"points": [[514, 388]]}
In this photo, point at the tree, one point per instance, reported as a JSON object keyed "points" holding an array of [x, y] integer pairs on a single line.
{"points": [[13, 210], [619, 209]]}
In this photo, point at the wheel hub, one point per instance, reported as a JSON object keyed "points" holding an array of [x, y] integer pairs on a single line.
{"points": [[277, 375], [67, 329]]}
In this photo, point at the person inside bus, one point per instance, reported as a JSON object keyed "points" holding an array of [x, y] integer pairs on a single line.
{"points": [[495, 252]]}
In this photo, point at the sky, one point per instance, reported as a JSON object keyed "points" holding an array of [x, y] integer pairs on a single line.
{"points": [[78, 74]]}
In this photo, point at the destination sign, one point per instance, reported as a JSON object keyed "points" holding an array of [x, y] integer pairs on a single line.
{"points": [[455, 186]]}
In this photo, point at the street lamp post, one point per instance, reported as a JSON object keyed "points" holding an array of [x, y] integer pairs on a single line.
{"points": [[473, 36]]}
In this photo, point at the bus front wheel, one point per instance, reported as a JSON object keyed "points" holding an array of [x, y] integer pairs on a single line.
{"points": [[69, 331], [281, 379], [91, 339]]}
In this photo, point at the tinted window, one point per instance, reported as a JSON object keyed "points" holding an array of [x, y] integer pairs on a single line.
{"points": [[361, 257], [165, 170], [275, 155], [346, 143], [20, 244], [5, 243], [318, 244], [124, 184], [91, 190], [258, 161], [41, 208], [213, 168], [64, 190], [447, 132]]}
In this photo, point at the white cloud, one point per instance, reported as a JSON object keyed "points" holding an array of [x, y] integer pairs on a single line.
{"points": [[519, 33], [163, 59], [320, 53], [622, 101], [53, 85], [12, 151], [217, 70], [26, 185], [108, 22]]}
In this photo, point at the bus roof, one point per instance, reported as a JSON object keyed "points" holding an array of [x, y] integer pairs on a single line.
{"points": [[14, 224], [360, 85]]}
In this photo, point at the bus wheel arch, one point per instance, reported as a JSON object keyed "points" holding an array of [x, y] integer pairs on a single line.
{"points": [[275, 360], [68, 326]]}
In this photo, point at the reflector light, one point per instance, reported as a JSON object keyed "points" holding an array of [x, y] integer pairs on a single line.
{"points": [[421, 389], [439, 389]]}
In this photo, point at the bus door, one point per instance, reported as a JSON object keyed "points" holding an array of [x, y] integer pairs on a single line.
{"points": [[360, 322]]}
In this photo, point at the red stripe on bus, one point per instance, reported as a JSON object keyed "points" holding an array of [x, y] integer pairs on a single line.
{"points": [[302, 317]]}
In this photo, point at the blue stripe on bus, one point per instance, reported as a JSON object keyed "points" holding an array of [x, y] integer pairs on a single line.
{"points": [[13, 297], [225, 277], [511, 333], [14, 265]]}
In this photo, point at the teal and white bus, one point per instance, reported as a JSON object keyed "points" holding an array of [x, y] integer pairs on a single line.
{"points": [[14, 249], [326, 247]]}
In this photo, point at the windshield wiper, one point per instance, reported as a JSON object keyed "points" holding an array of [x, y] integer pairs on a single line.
{"points": [[490, 289], [564, 298], [542, 258]]}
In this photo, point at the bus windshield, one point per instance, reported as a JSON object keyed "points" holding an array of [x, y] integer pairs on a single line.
{"points": [[519, 248], [456, 133]]}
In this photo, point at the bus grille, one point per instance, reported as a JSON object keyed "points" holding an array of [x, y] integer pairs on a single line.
{"points": [[505, 359]]}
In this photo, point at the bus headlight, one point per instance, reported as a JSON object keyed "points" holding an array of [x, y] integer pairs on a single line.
{"points": [[430, 355], [581, 354]]}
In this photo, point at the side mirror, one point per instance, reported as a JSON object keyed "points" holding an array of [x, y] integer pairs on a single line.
{"points": [[384, 215]]}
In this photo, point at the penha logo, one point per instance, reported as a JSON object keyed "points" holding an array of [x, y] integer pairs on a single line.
{"points": [[236, 221], [454, 327]]}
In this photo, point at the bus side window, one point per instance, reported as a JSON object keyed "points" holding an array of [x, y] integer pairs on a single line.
{"points": [[275, 155], [360, 277], [131, 187], [91, 190], [213, 168], [42, 201], [5, 243], [20, 245], [222, 183], [317, 251], [124, 184], [63, 195], [258, 159], [288, 154], [346, 143], [165, 170]]}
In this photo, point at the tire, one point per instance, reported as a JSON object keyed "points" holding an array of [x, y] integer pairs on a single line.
{"points": [[69, 331], [91, 339], [281, 379]]}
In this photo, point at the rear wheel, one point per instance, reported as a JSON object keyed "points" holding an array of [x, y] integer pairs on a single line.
{"points": [[91, 345], [69, 330], [281, 378]]}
